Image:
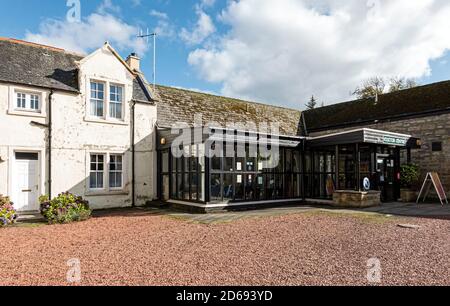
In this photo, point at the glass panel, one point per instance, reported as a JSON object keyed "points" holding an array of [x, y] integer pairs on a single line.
{"points": [[239, 194], [288, 162], [174, 186], [179, 186], [216, 163], [186, 185], [250, 187], [201, 187], [194, 184], [165, 188], [228, 159], [347, 167], [216, 187], [97, 99], [251, 160], [260, 187], [165, 162], [228, 191], [115, 171], [296, 162], [270, 186], [21, 100], [96, 175], [288, 186]]}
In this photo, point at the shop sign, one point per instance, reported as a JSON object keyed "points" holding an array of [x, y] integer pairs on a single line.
{"points": [[389, 140]]}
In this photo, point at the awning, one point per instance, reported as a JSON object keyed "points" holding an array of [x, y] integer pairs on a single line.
{"points": [[364, 136]]}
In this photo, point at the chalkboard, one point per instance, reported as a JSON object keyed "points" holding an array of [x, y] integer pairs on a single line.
{"points": [[433, 178]]}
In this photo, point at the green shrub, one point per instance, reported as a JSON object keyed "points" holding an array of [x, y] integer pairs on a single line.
{"points": [[8, 214], [409, 175], [65, 208]]}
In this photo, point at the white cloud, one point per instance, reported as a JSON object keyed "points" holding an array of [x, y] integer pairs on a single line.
{"points": [[135, 3], [202, 30], [285, 51], [89, 34], [207, 3], [158, 14], [108, 6], [163, 27]]}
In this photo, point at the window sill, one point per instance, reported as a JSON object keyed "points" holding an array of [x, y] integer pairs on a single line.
{"points": [[106, 121], [106, 193], [26, 114]]}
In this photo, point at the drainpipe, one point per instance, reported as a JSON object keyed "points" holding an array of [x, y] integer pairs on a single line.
{"points": [[133, 157], [50, 98]]}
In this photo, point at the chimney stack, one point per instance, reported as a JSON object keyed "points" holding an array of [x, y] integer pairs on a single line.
{"points": [[134, 61]]}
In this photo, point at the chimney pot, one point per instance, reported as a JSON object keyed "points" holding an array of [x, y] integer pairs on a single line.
{"points": [[134, 61]]}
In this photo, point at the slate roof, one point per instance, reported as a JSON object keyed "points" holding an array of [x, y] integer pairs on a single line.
{"points": [[179, 105], [37, 65], [421, 100], [49, 67]]}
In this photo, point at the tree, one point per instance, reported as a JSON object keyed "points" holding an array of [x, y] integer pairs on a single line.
{"points": [[370, 88], [374, 86], [400, 83], [312, 103]]}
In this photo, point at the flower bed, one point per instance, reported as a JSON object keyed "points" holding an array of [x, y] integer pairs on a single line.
{"points": [[65, 208], [8, 214]]}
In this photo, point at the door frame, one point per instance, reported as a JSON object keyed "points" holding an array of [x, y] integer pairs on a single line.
{"points": [[386, 158], [41, 165]]}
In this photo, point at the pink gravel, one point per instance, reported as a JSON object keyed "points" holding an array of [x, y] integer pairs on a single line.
{"points": [[296, 249]]}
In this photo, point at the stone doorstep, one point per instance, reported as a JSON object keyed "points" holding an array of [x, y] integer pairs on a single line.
{"points": [[29, 217]]}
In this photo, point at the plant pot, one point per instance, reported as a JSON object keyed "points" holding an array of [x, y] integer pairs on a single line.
{"points": [[408, 195]]}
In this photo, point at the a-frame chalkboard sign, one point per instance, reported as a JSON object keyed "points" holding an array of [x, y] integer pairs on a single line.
{"points": [[432, 178]]}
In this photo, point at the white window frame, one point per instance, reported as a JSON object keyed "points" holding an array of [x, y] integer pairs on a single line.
{"points": [[13, 108], [97, 171], [106, 173], [28, 98], [97, 100], [115, 102], [115, 171], [106, 118]]}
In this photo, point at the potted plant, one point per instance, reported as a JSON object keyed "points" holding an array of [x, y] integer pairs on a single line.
{"points": [[409, 179]]}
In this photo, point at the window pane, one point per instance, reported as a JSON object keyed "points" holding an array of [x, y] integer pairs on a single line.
{"points": [[97, 99], [228, 191], [216, 187], [115, 171], [250, 187], [239, 187], [96, 175], [165, 162]]}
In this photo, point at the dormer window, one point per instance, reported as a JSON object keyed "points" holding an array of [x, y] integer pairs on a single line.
{"points": [[28, 102], [97, 99]]}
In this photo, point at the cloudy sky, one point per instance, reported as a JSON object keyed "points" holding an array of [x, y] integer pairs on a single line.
{"points": [[275, 51]]}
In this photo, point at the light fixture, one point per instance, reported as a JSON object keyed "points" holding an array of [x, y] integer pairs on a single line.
{"points": [[163, 141]]}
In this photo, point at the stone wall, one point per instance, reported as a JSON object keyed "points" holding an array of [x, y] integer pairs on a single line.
{"points": [[429, 129]]}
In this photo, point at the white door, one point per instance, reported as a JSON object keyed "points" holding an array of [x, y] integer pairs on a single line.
{"points": [[26, 182]]}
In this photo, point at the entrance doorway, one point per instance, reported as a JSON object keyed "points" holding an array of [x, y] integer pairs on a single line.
{"points": [[25, 181], [385, 167]]}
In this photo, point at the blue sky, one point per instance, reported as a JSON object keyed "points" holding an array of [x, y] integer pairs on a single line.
{"points": [[280, 52]]}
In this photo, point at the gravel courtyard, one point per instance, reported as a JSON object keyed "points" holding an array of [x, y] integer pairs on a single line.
{"points": [[305, 248]]}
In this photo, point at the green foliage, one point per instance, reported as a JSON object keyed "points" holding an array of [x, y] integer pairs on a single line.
{"points": [[376, 86], [65, 208], [409, 175], [312, 103], [8, 215]]}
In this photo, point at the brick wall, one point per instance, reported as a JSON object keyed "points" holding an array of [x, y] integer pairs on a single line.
{"points": [[429, 129]]}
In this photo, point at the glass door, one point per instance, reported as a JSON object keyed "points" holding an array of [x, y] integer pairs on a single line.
{"points": [[386, 176]]}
